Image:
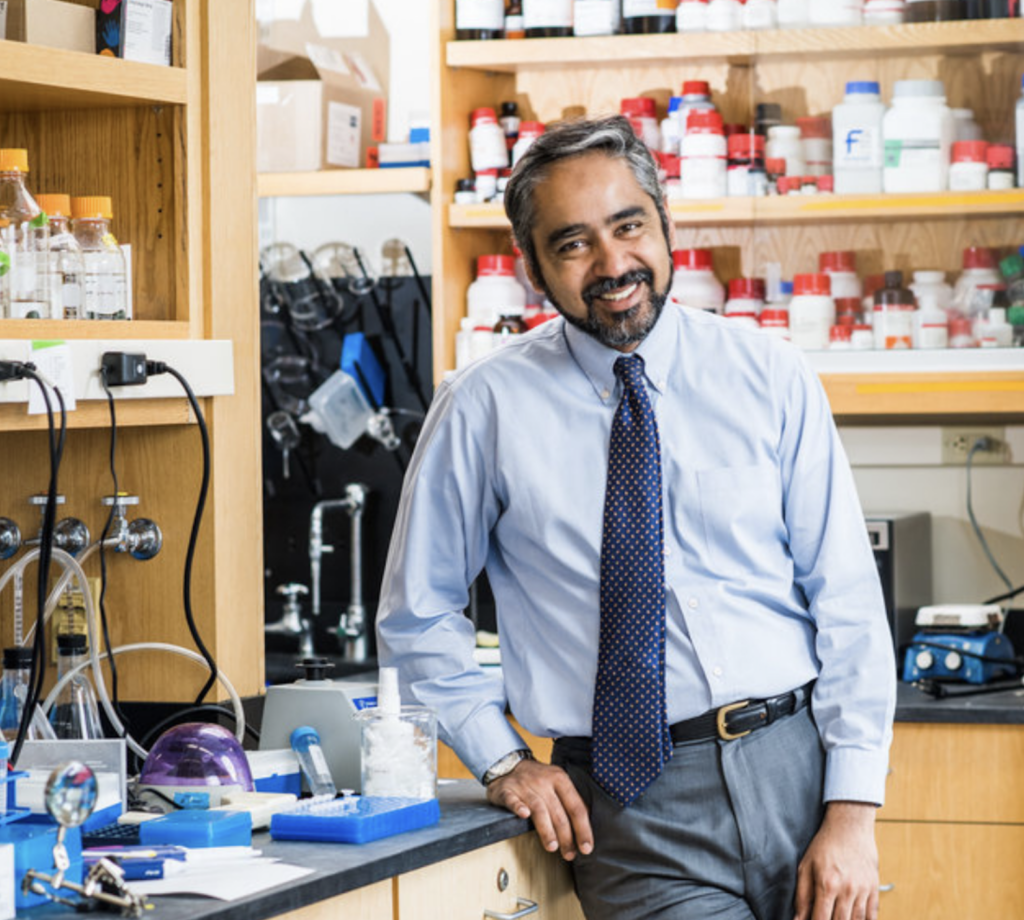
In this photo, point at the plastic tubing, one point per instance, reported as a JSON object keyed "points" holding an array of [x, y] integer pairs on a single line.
{"points": [[73, 569]]}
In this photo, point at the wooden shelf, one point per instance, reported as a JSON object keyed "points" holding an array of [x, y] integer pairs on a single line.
{"points": [[413, 179], [85, 329], [737, 47], [35, 79], [796, 209]]}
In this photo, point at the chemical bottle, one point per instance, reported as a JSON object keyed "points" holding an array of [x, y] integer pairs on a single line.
{"points": [[487, 146], [775, 321], [1020, 136], [746, 297], [514, 28], [931, 324], [703, 152], [965, 128], [816, 143], [836, 12], [596, 17], [692, 16], [760, 14], [969, 170], [725, 16], [647, 16], [547, 18], [784, 143], [694, 97], [857, 146], [75, 713], [509, 121], [14, 689], [1012, 270], [529, 131], [694, 283], [510, 323], [884, 12], [931, 285], [642, 113], [24, 241], [306, 743], [766, 115], [105, 277], [794, 14], [935, 10], [812, 312], [841, 267], [1000, 167], [893, 322], [918, 133], [479, 19], [746, 155], [979, 268], [67, 264], [495, 291]]}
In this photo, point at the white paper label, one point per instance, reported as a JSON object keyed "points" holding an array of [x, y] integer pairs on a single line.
{"points": [[363, 72], [324, 58], [595, 17], [631, 8], [547, 14], [480, 14], [147, 31], [343, 129], [54, 363], [860, 148]]}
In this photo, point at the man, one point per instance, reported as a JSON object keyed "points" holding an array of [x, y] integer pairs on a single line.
{"points": [[678, 557]]}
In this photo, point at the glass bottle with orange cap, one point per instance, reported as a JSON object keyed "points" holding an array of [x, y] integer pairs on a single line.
{"points": [[24, 243], [66, 262], [105, 277]]}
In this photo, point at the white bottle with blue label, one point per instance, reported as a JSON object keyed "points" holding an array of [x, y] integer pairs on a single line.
{"points": [[857, 145]]}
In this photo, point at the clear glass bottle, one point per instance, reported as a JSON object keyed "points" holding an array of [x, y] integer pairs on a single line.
{"points": [[67, 264], [105, 274], [24, 241], [306, 743], [14, 689], [75, 713]]}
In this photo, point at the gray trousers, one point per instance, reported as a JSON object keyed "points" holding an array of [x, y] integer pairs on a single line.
{"points": [[719, 834]]}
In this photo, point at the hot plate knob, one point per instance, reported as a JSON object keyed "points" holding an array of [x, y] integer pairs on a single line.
{"points": [[953, 661], [924, 660]]}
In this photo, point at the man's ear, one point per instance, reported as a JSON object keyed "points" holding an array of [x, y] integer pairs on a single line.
{"points": [[535, 281], [671, 226]]}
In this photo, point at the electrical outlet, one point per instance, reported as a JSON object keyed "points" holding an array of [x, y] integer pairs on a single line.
{"points": [[957, 443]]}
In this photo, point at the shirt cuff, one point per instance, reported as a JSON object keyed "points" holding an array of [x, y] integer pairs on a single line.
{"points": [[855, 775], [484, 739]]}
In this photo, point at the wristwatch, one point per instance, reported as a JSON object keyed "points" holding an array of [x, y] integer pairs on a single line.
{"points": [[506, 765]]}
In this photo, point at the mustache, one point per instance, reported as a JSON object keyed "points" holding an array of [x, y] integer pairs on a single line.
{"points": [[600, 288]]}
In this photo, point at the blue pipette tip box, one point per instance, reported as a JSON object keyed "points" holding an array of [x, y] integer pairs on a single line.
{"points": [[354, 819], [195, 828]]}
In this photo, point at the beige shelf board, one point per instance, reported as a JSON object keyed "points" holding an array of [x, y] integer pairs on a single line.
{"points": [[34, 78], [50, 329], [736, 47], [411, 179]]}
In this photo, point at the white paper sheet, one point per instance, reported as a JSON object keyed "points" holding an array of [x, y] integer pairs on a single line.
{"points": [[227, 882]]}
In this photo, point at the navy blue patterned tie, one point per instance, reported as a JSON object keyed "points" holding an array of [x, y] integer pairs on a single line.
{"points": [[631, 740]]}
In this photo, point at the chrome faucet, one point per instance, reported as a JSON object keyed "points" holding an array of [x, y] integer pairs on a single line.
{"points": [[292, 622], [352, 624]]}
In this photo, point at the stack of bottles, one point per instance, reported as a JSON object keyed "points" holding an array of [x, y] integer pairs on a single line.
{"points": [[834, 308], [58, 256], [917, 144], [512, 19]]}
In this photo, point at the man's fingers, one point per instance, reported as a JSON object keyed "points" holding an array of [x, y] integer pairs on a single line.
{"points": [[802, 900]]}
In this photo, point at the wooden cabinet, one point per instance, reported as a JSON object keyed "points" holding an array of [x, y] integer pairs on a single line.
{"points": [[951, 835], [805, 71], [174, 148], [374, 902], [501, 878]]}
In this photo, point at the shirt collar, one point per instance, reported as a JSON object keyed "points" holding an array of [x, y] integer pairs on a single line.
{"points": [[597, 361]]}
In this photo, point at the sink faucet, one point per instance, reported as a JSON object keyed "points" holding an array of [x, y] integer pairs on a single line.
{"points": [[352, 625], [292, 622]]}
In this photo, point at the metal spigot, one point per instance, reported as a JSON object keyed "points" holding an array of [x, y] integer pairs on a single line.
{"points": [[10, 538], [142, 538], [69, 534], [291, 622]]}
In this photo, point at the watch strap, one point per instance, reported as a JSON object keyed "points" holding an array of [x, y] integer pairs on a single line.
{"points": [[506, 765]]}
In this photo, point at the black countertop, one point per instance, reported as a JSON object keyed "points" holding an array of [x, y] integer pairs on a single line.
{"points": [[467, 823], [1005, 707]]}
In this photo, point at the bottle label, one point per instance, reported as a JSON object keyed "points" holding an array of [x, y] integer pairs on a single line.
{"points": [[70, 306], [859, 148], [595, 17], [547, 14], [912, 154], [635, 8], [480, 15]]}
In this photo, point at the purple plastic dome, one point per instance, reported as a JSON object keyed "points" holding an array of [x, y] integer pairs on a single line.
{"points": [[197, 754]]}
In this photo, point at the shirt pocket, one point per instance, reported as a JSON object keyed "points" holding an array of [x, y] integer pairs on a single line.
{"points": [[742, 522]]}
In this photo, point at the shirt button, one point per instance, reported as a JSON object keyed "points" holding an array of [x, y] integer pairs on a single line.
{"points": [[717, 672], [661, 384], [692, 603], [668, 550], [605, 394]]}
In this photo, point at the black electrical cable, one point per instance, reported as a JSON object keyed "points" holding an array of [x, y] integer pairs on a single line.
{"points": [[979, 444], [104, 624], [159, 367], [37, 673], [424, 293], [1006, 595]]}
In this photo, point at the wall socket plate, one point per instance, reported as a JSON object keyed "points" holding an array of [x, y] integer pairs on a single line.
{"points": [[957, 443]]}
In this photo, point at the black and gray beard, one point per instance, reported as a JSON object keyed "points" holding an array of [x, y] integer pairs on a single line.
{"points": [[620, 329]]}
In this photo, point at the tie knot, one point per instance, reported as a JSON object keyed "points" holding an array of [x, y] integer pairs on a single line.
{"points": [[630, 370]]}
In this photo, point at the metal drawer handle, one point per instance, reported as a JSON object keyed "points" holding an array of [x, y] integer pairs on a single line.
{"points": [[883, 888], [528, 907]]}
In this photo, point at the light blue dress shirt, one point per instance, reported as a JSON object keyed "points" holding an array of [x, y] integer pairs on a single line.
{"points": [[770, 578]]}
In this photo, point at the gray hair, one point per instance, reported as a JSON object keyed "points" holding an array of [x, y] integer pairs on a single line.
{"points": [[613, 136]]}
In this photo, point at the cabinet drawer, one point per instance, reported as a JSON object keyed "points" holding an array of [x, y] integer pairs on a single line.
{"points": [[950, 871], [491, 878], [374, 902], [956, 773]]}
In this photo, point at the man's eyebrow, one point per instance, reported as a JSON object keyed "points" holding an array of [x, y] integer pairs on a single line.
{"points": [[569, 230]]}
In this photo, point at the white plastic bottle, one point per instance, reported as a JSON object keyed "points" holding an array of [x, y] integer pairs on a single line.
{"points": [[812, 312], [841, 267], [105, 275], [695, 96], [529, 131], [703, 152], [931, 286], [794, 14], [836, 12], [784, 143], [24, 243], [883, 12], [857, 145], [918, 133], [642, 112], [67, 265], [931, 324], [760, 14], [596, 17], [694, 283], [725, 16], [1020, 132], [671, 135], [494, 291], [692, 16], [979, 269], [487, 147], [969, 169]]}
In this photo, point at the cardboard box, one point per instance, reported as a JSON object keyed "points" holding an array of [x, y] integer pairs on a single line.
{"points": [[320, 103], [136, 30], [53, 24]]}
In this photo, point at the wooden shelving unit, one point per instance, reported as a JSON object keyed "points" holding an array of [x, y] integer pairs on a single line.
{"points": [[804, 71], [412, 179], [174, 148]]}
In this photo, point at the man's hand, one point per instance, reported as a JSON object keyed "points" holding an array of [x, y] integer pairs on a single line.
{"points": [[838, 877], [547, 795]]}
